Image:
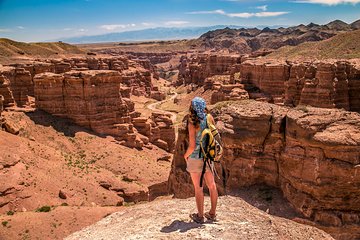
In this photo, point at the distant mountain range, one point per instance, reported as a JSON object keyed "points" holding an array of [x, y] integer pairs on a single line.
{"points": [[160, 33], [249, 40]]}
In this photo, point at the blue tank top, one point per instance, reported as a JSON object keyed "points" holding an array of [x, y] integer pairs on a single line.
{"points": [[195, 153]]}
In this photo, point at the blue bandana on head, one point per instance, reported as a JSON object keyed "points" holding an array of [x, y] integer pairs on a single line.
{"points": [[199, 105]]}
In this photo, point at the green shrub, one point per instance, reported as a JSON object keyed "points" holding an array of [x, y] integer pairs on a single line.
{"points": [[10, 213], [44, 209]]}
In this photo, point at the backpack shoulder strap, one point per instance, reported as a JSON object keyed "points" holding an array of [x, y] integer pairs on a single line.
{"points": [[208, 119]]}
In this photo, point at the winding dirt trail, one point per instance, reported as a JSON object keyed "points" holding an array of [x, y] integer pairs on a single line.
{"points": [[153, 107]]}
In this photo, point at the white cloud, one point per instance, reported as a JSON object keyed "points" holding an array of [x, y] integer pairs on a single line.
{"points": [[146, 24], [5, 30], [67, 29], [20, 27], [176, 23], [218, 11], [329, 2], [82, 30], [111, 27], [242, 14], [263, 8]]}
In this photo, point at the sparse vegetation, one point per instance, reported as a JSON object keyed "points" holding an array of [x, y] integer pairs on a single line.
{"points": [[128, 204], [10, 213], [10, 48], [302, 108], [127, 179], [44, 209], [344, 46]]}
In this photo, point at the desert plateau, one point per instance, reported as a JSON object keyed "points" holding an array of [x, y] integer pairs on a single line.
{"points": [[93, 124]]}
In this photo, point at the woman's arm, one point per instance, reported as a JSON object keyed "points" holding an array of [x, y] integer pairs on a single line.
{"points": [[192, 143]]}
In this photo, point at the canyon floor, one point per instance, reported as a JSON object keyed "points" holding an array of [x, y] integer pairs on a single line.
{"points": [[51, 155]]}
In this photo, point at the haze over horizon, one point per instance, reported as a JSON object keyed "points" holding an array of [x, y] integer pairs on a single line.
{"points": [[42, 20]]}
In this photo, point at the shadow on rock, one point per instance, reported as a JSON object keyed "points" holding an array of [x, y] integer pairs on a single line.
{"points": [[63, 125], [180, 225]]}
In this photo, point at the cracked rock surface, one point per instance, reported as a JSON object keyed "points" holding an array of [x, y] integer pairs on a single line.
{"points": [[169, 219]]}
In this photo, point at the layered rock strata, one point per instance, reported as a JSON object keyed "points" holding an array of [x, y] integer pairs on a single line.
{"points": [[16, 86], [91, 99], [326, 84], [224, 89], [18, 78], [8, 98], [1, 109], [197, 69], [311, 154], [158, 129]]}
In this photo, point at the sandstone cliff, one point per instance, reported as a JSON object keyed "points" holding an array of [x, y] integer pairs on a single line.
{"points": [[5, 91], [196, 69], [168, 219], [1, 109], [326, 84], [91, 99], [311, 154], [17, 85], [94, 99]]}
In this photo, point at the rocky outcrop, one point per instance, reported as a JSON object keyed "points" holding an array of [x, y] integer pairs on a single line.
{"points": [[168, 219], [225, 89], [139, 80], [92, 63], [353, 73], [311, 154], [198, 68], [158, 129], [8, 98], [154, 58], [318, 84], [17, 80], [326, 84], [1, 109], [157, 94], [16, 86], [91, 99], [323, 85], [166, 132], [268, 77]]}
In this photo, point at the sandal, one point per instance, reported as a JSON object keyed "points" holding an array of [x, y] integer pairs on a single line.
{"points": [[195, 217], [210, 216]]}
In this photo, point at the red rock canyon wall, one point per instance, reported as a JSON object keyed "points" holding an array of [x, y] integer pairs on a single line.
{"points": [[311, 154]]}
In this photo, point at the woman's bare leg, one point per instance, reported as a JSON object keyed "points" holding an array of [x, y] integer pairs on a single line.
{"points": [[199, 194], [210, 183]]}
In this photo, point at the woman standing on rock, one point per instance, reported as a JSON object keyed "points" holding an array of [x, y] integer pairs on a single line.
{"points": [[196, 123]]}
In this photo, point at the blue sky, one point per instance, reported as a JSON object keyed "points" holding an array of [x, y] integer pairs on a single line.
{"points": [[39, 20]]}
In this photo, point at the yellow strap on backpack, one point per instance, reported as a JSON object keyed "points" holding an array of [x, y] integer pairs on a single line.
{"points": [[205, 132], [211, 126]]}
